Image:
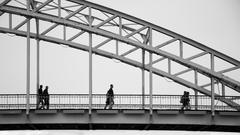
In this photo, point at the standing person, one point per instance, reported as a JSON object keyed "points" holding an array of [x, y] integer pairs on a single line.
{"points": [[40, 98], [46, 98], [109, 96]]}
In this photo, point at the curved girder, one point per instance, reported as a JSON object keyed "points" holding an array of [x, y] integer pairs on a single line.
{"points": [[208, 72], [161, 29], [122, 59]]}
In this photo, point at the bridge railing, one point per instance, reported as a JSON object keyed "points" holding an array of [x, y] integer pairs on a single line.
{"points": [[121, 101]]}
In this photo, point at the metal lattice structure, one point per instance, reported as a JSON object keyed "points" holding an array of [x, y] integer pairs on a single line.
{"points": [[127, 34]]}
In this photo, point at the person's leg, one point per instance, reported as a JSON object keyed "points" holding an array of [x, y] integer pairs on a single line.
{"points": [[111, 103], [47, 103]]}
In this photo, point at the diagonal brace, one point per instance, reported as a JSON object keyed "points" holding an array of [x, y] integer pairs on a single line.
{"points": [[97, 26], [4, 3], [35, 10], [166, 43], [67, 17]]}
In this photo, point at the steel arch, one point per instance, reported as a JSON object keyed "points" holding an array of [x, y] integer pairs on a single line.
{"points": [[145, 45]]}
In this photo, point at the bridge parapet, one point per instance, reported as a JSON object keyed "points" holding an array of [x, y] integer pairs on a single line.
{"points": [[121, 101]]}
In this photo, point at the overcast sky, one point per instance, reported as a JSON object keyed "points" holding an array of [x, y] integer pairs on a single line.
{"points": [[214, 23]]}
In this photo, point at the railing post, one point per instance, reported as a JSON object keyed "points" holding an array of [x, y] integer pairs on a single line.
{"points": [[28, 63]]}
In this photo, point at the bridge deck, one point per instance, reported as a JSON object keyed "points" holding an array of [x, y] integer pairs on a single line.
{"points": [[119, 119], [129, 112]]}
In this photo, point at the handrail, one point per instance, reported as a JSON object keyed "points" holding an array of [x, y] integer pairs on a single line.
{"points": [[122, 101]]}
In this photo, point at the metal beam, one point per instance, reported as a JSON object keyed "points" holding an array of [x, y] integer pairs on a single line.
{"points": [[28, 64], [150, 75], [38, 59], [160, 29], [128, 52], [122, 59], [136, 31], [182, 72], [229, 82], [67, 17], [106, 21], [143, 79], [180, 48], [166, 43], [3, 3], [35, 10], [158, 60], [228, 70], [208, 84], [75, 36], [195, 91], [90, 62], [196, 56], [212, 97]]}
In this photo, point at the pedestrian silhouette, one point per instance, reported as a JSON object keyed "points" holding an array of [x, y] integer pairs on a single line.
{"points": [[185, 100], [40, 103], [109, 98], [46, 98]]}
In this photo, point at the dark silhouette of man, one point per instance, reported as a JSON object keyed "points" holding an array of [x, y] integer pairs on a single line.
{"points": [[40, 98], [109, 96], [185, 101], [46, 98]]}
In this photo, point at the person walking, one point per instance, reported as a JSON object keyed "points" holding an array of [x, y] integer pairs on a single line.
{"points": [[109, 96], [46, 98], [40, 98], [185, 100]]}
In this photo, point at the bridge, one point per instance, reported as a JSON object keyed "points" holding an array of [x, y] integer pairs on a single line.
{"points": [[210, 110]]}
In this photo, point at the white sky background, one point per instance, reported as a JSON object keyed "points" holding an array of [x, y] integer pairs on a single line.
{"points": [[214, 23]]}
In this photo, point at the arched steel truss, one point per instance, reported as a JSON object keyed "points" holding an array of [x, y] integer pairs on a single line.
{"points": [[134, 32]]}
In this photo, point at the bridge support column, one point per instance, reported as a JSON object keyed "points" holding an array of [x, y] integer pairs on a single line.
{"points": [[28, 63], [143, 79], [212, 88], [150, 74], [38, 60], [90, 64], [195, 92]]}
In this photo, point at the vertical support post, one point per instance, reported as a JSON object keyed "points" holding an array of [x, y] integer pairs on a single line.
{"points": [[120, 33], [195, 92], [150, 73], [10, 21], [212, 97], [143, 79], [212, 87], [28, 64], [169, 66], [64, 32], [223, 90], [90, 63], [38, 58], [59, 8], [181, 48]]}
